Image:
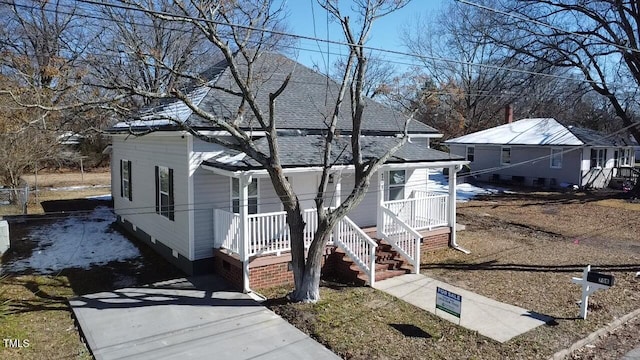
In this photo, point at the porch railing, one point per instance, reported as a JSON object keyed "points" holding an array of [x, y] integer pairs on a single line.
{"points": [[269, 234], [423, 211], [226, 230], [403, 238], [358, 245]]}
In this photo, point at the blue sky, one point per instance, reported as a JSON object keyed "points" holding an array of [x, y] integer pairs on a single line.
{"points": [[385, 32]]}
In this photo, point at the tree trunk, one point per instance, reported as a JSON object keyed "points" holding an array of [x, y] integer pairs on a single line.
{"points": [[307, 278]]}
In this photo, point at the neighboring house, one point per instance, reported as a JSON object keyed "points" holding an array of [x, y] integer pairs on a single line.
{"points": [[206, 207], [543, 152]]}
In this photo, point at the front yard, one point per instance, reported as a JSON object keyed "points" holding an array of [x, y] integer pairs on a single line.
{"points": [[524, 250]]}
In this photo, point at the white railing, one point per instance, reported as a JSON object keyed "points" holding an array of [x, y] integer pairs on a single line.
{"points": [[269, 234], [357, 245], [226, 230], [402, 237], [423, 211]]}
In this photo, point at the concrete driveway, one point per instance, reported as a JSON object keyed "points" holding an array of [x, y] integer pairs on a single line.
{"points": [[188, 319]]}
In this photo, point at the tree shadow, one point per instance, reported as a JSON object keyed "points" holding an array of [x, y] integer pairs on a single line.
{"points": [[410, 330]]}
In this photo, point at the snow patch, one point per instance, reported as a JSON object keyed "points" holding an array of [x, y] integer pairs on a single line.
{"points": [[80, 241], [439, 183]]}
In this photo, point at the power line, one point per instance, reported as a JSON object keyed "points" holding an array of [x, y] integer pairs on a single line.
{"points": [[179, 17]]}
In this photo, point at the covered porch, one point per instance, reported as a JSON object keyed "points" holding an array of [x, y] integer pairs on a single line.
{"points": [[403, 219]]}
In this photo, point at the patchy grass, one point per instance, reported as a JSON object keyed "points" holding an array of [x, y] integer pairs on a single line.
{"points": [[619, 204], [524, 251]]}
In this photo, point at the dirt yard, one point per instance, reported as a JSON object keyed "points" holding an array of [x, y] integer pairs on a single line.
{"points": [[525, 248], [62, 185]]}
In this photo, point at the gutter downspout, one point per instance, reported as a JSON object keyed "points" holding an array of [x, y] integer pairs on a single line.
{"points": [[453, 170]]}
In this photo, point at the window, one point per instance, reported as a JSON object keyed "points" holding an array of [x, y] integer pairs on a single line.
{"points": [[556, 158], [471, 152], [505, 156], [252, 199], [397, 179], [624, 157], [164, 192], [125, 179], [598, 158]]}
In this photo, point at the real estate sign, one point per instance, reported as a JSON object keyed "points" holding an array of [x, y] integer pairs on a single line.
{"points": [[448, 302]]}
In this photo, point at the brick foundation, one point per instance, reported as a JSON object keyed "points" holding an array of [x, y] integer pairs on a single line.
{"points": [[271, 270], [435, 240]]}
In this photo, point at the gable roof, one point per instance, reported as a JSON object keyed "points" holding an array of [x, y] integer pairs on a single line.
{"points": [[304, 151], [539, 131], [305, 104]]}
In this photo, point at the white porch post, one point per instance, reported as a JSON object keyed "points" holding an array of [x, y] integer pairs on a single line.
{"points": [[337, 193], [243, 189], [452, 204], [380, 221]]}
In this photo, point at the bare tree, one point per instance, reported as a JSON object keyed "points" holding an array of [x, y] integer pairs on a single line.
{"points": [[474, 77], [235, 29], [596, 41]]}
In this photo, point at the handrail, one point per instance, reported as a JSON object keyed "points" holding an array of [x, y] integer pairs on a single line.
{"points": [[422, 212], [357, 245], [406, 241]]}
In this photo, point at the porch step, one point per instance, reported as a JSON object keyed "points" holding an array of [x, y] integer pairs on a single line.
{"points": [[388, 264]]}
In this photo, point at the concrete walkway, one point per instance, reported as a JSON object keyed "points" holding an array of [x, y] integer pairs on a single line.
{"points": [[186, 320], [632, 355], [493, 319]]}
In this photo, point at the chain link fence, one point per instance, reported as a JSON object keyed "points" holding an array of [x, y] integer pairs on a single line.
{"points": [[15, 199]]}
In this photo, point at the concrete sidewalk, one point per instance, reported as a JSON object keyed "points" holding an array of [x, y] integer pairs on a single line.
{"points": [[183, 319], [493, 319]]}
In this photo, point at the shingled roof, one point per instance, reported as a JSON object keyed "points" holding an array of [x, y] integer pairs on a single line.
{"points": [[304, 151], [306, 103]]}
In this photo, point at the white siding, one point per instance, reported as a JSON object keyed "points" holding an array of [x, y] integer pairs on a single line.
{"points": [[210, 191], [146, 152], [416, 180], [366, 213], [268, 200]]}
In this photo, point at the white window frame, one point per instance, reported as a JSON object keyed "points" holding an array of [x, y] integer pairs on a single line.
{"points": [[125, 181], [556, 153], [256, 197], [391, 186], [624, 157], [167, 211], [502, 149], [473, 153], [601, 158]]}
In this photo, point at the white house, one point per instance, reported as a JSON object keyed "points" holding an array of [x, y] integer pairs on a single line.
{"points": [[206, 207], [544, 152]]}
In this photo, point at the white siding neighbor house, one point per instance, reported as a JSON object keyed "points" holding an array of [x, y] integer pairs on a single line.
{"points": [[544, 152], [206, 207]]}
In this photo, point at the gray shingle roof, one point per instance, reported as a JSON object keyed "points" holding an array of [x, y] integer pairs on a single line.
{"points": [[303, 151], [306, 103], [596, 138]]}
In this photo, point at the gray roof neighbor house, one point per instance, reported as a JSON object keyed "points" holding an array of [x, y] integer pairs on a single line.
{"points": [[544, 152]]}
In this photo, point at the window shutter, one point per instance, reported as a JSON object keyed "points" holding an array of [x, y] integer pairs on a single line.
{"points": [[130, 183], [171, 202], [157, 190], [121, 176]]}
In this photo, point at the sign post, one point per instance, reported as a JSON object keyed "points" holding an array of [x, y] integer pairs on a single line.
{"points": [[449, 302], [591, 281]]}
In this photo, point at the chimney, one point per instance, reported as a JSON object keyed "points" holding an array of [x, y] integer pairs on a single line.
{"points": [[508, 114]]}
